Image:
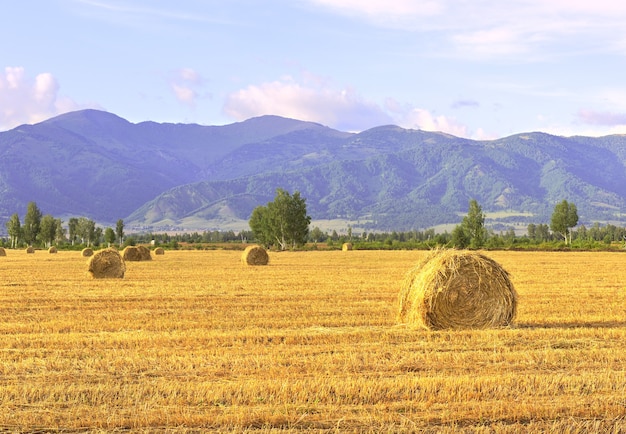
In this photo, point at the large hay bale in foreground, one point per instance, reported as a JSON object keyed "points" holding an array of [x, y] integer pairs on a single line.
{"points": [[255, 255], [86, 252], [52, 249], [453, 289], [136, 253], [107, 263], [346, 247], [30, 249], [2, 251], [159, 251]]}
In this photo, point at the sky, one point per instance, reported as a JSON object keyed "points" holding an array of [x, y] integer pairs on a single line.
{"points": [[480, 69]]}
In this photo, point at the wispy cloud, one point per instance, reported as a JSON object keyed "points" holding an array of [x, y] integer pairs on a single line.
{"points": [[528, 30], [128, 12], [25, 99]]}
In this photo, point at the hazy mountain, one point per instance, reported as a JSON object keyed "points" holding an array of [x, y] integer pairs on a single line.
{"points": [[96, 164]]}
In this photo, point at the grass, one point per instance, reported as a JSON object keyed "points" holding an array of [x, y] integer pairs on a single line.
{"points": [[194, 340]]}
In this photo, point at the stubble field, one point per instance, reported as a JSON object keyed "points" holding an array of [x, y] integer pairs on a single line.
{"points": [[194, 341]]}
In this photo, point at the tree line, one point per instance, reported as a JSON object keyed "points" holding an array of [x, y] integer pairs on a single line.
{"points": [[285, 224], [44, 230]]}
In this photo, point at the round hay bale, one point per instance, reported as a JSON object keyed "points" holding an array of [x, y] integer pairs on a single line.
{"points": [[346, 246], [106, 263], [144, 252], [136, 253], [159, 251], [255, 255], [2, 251], [52, 249], [30, 249], [87, 252], [451, 289]]}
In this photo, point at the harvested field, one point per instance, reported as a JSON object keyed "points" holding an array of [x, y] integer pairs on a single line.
{"points": [[310, 341]]}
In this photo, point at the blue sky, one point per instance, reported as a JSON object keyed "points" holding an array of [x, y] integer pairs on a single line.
{"points": [[480, 69]]}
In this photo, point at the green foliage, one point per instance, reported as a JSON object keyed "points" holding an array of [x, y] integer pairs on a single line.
{"points": [[283, 222], [564, 217], [109, 236], [119, 231], [14, 229], [32, 221]]}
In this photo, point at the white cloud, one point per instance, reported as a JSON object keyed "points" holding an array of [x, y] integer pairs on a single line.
{"points": [[425, 120], [318, 102], [186, 84], [27, 100]]}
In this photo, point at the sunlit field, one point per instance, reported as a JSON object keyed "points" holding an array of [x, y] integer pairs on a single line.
{"points": [[195, 341]]}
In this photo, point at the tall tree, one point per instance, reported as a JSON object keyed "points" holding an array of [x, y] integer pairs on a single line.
{"points": [[47, 230], [86, 230], [119, 231], [109, 236], [283, 222], [72, 226], [14, 229], [473, 225], [32, 220], [260, 226], [564, 217], [59, 231]]}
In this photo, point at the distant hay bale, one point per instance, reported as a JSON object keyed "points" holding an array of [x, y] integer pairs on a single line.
{"points": [[159, 251], [2, 251], [30, 249], [255, 255], [52, 249], [346, 246], [136, 253], [87, 252], [107, 263], [451, 289]]}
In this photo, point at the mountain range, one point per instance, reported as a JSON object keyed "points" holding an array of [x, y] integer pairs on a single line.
{"points": [[163, 176]]}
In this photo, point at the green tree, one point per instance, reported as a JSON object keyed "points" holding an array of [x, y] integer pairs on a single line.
{"points": [[283, 222], [564, 217], [316, 235], [473, 225], [460, 238], [109, 236], [72, 226], [119, 231], [32, 221], [47, 230], [14, 229], [260, 226], [86, 230], [59, 233]]}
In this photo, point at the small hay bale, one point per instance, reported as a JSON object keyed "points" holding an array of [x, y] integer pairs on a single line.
{"points": [[451, 289], [107, 263], [159, 251], [30, 249], [136, 253], [52, 249], [87, 252], [2, 251], [255, 255], [346, 247]]}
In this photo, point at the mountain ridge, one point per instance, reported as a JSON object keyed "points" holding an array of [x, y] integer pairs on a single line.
{"points": [[189, 176]]}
